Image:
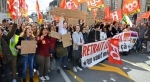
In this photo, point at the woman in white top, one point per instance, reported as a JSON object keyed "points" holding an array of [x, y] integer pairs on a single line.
{"points": [[103, 34], [78, 41]]}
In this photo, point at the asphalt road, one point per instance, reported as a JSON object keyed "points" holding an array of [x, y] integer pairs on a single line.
{"points": [[135, 68]]}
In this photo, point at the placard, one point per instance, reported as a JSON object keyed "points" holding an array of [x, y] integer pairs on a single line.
{"points": [[100, 14], [66, 40], [55, 35], [28, 47], [124, 46], [72, 21], [77, 14], [90, 19]]}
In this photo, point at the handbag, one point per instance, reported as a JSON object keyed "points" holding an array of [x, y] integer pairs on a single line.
{"points": [[61, 51], [76, 54]]}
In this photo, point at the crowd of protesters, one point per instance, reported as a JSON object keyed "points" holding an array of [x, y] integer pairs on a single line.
{"points": [[11, 35]]}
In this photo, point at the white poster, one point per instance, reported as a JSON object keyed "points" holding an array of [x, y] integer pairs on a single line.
{"points": [[94, 53]]}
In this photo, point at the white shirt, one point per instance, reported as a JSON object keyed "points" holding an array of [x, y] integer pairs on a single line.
{"points": [[61, 29], [77, 39], [103, 36]]}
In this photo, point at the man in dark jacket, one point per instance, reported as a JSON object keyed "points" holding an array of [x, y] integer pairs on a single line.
{"points": [[115, 28], [94, 35], [147, 37], [5, 52], [142, 30]]}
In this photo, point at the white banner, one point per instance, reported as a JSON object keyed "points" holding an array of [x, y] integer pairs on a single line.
{"points": [[96, 52]]}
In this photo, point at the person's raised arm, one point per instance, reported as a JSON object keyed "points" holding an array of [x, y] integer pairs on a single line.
{"points": [[61, 21]]}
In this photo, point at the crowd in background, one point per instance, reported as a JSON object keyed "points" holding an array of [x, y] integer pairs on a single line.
{"points": [[11, 35]]}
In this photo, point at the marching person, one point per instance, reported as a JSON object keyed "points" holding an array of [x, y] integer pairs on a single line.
{"points": [[5, 53], [85, 35], [103, 34], [78, 42], [43, 53], [12, 43], [61, 52], [26, 59], [94, 35]]}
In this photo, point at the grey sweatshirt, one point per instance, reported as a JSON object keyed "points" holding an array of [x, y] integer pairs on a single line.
{"points": [[142, 31]]}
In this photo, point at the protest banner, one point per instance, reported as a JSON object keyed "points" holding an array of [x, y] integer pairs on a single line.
{"points": [[55, 35], [77, 14], [28, 47], [96, 52], [66, 39], [113, 51]]}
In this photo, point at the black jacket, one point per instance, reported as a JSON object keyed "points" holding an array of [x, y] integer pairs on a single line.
{"points": [[85, 37], [115, 31], [147, 33], [109, 34], [94, 35], [6, 52]]}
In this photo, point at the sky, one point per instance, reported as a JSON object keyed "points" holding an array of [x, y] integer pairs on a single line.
{"points": [[42, 3]]}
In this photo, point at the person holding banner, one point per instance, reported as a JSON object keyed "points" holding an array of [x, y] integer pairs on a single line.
{"points": [[26, 59], [78, 42], [94, 35], [103, 35], [85, 35]]}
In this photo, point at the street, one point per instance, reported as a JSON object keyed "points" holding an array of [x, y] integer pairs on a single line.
{"points": [[135, 68]]}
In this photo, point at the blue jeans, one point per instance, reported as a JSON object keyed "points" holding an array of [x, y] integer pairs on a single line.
{"points": [[36, 65], [62, 60], [28, 60], [5, 68], [139, 44]]}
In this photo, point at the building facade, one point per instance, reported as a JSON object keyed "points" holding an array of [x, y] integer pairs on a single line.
{"points": [[3, 6]]}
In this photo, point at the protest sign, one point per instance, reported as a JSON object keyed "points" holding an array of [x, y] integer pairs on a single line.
{"points": [[66, 40], [90, 19], [55, 35], [77, 14], [100, 15], [28, 47], [72, 21]]}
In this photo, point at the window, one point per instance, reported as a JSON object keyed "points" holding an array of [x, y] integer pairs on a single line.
{"points": [[112, 4]]}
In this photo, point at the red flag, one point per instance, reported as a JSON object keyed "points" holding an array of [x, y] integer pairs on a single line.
{"points": [[13, 8], [131, 6], [72, 4], [145, 15], [117, 15], [63, 4], [107, 13], [40, 17], [23, 7], [113, 52], [95, 11]]}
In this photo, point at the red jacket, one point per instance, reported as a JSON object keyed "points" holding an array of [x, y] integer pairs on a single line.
{"points": [[43, 48], [53, 43]]}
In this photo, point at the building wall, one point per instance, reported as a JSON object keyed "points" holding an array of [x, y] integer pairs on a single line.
{"points": [[3, 7]]}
